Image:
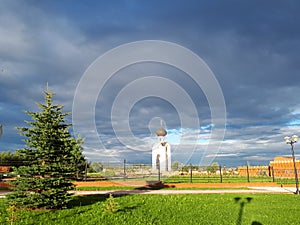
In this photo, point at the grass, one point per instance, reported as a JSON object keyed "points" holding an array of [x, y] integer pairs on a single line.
{"points": [[4, 188], [169, 209], [104, 188], [285, 180], [216, 179]]}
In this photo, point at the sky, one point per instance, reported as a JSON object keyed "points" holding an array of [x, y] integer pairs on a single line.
{"points": [[222, 77]]}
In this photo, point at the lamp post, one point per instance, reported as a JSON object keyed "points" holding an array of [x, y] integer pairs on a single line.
{"points": [[292, 141]]}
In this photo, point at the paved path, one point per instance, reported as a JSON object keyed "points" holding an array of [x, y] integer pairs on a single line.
{"points": [[3, 193], [251, 190]]}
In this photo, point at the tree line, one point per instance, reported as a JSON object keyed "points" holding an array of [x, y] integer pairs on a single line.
{"points": [[9, 158]]}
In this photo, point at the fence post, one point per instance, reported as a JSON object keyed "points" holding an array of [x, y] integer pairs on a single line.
{"points": [[248, 176], [85, 170], [221, 176], [191, 173], [273, 175], [124, 168]]}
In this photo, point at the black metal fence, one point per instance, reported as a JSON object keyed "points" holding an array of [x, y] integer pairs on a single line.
{"points": [[179, 173]]}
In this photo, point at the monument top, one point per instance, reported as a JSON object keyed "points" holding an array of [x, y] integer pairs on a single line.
{"points": [[161, 132]]}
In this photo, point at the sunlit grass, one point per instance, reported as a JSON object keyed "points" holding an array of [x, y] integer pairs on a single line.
{"points": [[170, 209], [216, 179]]}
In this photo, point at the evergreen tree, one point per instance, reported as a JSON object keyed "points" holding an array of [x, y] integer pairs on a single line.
{"points": [[45, 181], [78, 161]]}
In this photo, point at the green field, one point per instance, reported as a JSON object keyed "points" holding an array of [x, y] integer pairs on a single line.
{"points": [[216, 179], [170, 209], [209, 179]]}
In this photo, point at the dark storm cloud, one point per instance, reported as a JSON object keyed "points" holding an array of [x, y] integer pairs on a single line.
{"points": [[251, 46]]}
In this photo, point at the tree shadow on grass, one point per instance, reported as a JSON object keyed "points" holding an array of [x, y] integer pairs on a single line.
{"points": [[129, 208], [92, 199], [154, 185], [75, 204], [86, 200], [78, 201], [74, 208]]}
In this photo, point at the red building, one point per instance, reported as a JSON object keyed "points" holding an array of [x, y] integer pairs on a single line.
{"points": [[279, 167], [283, 167], [4, 169], [253, 171]]}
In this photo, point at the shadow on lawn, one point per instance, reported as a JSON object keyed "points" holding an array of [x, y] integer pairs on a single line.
{"points": [[243, 202], [154, 185], [78, 201], [86, 200], [92, 199]]}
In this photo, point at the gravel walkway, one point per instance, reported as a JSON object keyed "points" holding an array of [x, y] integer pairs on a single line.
{"points": [[251, 190]]}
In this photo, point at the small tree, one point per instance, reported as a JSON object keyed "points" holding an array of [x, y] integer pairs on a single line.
{"points": [[175, 166], [213, 167], [97, 167], [45, 181], [78, 160]]}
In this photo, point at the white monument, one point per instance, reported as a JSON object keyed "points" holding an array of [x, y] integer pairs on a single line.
{"points": [[161, 152]]}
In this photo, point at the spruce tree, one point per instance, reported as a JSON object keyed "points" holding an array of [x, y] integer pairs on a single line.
{"points": [[45, 181], [78, 161]]}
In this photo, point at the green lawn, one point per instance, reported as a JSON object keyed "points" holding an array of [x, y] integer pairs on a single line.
{"points": [[225, 179], [170, 209], [216, 179]]}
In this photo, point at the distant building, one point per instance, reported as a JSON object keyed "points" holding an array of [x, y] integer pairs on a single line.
{"points": [[279, 167], [161, 152], [4, 169], [253, 171], [283, 167]]}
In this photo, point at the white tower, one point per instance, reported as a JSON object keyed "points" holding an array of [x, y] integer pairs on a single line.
{"points": [[161, 152]]}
